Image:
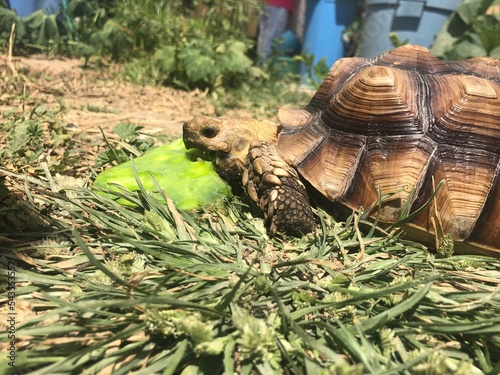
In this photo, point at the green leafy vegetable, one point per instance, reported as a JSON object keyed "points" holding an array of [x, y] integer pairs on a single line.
{"points": [[185, 178]]}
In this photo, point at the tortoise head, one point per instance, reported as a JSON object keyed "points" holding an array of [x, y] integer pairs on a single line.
{"points": [[229, 138]]}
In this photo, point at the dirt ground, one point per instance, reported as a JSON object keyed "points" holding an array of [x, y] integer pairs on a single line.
{"points": [[94, 100]]}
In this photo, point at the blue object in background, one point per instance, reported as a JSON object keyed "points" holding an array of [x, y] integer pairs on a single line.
{"points": [[291, 44], [416, 20], [326, 20], [26, 7]]}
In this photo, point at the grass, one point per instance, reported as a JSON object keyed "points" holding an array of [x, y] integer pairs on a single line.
{"points": [[97, 109], [155, 290], [263, 97], [260, 96], [103, 288]]}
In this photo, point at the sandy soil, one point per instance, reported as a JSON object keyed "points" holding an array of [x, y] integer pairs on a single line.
{"points": [[96, 100]]}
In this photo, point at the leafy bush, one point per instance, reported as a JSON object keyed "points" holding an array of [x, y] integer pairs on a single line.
{"points": [[473, 30], [35, 31], [189, 49], [204, 64], [7, 18], [203, 45]]}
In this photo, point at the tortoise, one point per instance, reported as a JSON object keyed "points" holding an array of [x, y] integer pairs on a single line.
{"points": [[398, 124]]}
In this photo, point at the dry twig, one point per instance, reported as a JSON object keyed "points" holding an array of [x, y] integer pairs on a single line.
{"points": [[9, 56]]}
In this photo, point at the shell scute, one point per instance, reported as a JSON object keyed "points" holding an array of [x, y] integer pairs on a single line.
{"points": [[480, 66], [412, 57], [466, 110], [378, 100], [396, 165], [469, 177], [340, 72], [295, 144], [487, 228], [332, 165]]}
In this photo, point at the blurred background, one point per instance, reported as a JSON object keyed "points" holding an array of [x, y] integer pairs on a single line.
{"points": [[214, 44]]}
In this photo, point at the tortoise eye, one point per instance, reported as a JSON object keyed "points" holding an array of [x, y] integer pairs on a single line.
{"points": [[209, 132]]}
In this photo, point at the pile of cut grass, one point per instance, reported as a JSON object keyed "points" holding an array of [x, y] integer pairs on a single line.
{"points": [[103, 288]]}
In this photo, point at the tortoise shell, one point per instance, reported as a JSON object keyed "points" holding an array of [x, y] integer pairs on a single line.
{"points": [[406, 119]]}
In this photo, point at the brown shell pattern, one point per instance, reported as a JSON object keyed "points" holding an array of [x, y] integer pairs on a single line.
{"points": [[406, 119]]}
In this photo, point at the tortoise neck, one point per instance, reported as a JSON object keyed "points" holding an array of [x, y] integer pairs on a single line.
{"points": [[266, 131]]}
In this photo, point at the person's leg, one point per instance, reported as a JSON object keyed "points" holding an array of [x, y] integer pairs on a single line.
{"points": [[263, 33], [273, 23]]}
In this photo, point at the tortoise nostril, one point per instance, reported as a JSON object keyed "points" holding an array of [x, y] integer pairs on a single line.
{"points": [[209, 131]]}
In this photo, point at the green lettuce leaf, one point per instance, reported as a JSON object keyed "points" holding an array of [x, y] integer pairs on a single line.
{"points": [[188, 180]]}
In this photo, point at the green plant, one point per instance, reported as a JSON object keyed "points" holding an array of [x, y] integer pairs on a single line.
{"points": [[130, 142], [95, 34], [261, 96], [165, 42], [40, 29], [351, 35], [186, 49], [7, 18], [316, 72], [473, 30], [204, 63], [37, 31], [97, 108], [33, 137], [396, 40], [154, 290]]}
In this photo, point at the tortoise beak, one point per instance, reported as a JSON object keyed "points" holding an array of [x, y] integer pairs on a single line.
{"points": [[187, 136]]}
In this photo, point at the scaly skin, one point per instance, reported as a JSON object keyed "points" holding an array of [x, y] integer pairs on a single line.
{"points": [[229, 138], [276, 188], [247, 148]]}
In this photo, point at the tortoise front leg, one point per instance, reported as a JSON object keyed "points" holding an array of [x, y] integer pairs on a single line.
{"points": [[276, 188]]}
